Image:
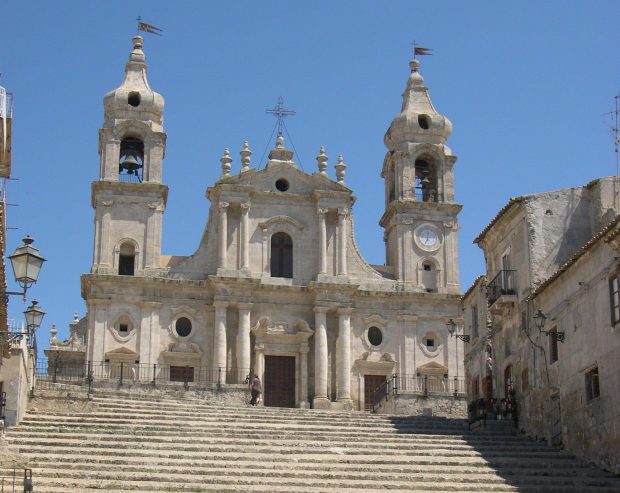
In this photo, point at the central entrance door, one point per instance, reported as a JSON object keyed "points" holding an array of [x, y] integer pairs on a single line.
{"points": [[371, 383], [279, 388]]}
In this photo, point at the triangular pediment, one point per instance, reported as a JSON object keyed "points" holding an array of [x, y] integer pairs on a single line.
{"points": [[299, 182], [121, 351]]}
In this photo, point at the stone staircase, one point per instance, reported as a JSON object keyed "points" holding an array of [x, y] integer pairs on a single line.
{"points": [[121, 443]]}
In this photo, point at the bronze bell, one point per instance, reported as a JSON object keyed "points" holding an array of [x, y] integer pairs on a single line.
{"points": [[130, 163]]}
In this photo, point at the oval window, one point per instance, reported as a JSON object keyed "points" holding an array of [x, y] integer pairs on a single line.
{"points": [[375, 336], [424, 121], [183, 327], [133, 99]]}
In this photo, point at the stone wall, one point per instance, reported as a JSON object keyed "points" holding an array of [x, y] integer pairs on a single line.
{"points": [[410, 404]]}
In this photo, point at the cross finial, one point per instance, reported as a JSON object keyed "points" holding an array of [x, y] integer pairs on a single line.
{"points": [[281, 112]]}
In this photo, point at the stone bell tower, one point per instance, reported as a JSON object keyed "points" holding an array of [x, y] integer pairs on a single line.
{"points": [[420, 218], [129, 199]]}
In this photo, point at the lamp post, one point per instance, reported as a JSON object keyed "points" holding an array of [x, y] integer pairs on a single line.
{"points": [[26, 263], [452, 329], [539, 320]]}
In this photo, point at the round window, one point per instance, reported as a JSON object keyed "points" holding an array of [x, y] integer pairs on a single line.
{"points": [[133, 99], [375, 336], [282, 185], [183, 326]]}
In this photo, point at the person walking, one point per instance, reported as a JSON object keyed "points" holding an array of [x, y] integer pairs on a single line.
{"points": [[256, 390]]}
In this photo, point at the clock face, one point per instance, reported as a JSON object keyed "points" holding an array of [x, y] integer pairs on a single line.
{"points": [[428, 237]]}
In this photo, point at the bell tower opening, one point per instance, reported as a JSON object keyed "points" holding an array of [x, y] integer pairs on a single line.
{"points": [[426, 181], [131, 160]]}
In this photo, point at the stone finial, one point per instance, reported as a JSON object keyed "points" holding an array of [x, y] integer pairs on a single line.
{"points": [[321, 161], [137, 55], [340, 169], [280, 142], [245, 157], [53, 339], [76, 319], [226, 160]]}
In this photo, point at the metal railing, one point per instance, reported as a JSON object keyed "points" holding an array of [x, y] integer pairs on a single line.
{"points": [[428, 196], [130, 178], [504, 283], [56, 374], [421, 384], [11, 480]]}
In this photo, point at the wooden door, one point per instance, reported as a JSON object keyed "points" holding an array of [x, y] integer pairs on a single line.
{"points": [[371, 383], [279, 384]]}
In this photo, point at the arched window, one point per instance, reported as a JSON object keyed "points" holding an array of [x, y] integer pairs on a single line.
{"points": [[131, 160], [429, 276], [281, 255], [126, 259]]}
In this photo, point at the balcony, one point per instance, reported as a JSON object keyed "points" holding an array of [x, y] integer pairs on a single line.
{"points": [[502, 290]]}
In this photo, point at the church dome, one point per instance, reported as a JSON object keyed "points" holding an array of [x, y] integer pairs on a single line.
{"points": [[134, 99], [418, 121]]}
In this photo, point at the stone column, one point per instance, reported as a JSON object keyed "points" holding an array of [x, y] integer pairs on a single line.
{"points": [[243, 341], [223, 245], [219, 341], [322, 242], [245, 235], [259, 357], [320, 356], [343, 392], [303, 376], [342, 241]]}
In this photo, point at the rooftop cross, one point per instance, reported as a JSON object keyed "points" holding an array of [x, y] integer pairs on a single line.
{"points": [[281, 112]]}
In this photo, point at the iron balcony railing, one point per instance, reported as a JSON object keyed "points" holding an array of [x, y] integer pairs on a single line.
{"points": [[504, 283], [59, 375], [420, 384]]}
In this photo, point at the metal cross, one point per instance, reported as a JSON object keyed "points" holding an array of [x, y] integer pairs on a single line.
{"points": [[280, 112]]}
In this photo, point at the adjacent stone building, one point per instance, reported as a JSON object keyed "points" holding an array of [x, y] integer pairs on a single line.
{"points": [[551, 257], [277, 284]]}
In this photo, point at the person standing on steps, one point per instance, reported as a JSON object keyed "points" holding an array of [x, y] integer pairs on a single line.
{"points": [[256, 390]]}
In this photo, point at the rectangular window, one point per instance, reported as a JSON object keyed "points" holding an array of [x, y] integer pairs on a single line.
{"points": [[474, 321], [507, 380], [525, 379], [614, 295], [126, 265], [553, 345], [123, 328], [592, 387]]}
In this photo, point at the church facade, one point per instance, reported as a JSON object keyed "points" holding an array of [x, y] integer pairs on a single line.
{"points": [[277, 285]]}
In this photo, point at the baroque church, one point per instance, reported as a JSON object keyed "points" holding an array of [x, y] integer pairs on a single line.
{"points": [[277, 285]]}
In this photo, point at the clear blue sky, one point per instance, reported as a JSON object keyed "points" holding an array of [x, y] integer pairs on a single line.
{"points": [[525, 84]]}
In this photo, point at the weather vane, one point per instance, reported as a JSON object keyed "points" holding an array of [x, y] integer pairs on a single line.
{"points": [[280, 112], [148, 28], [420, 51]]}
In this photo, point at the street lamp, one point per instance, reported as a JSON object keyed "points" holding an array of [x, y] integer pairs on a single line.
{"points": [[452, 329], [34, 316], [26, 263], [539, 320]]}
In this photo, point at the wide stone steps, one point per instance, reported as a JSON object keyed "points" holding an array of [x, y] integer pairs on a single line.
{"points": [[122, 444]]}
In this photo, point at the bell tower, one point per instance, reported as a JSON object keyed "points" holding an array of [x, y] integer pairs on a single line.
{"points": [[420, 218], [129, 198]]}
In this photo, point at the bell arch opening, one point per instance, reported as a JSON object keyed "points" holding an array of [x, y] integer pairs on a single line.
{"points": [[426, 180], [131, 160]]}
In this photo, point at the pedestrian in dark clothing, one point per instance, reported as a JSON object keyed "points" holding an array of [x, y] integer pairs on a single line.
{"points": [[256, 389]]}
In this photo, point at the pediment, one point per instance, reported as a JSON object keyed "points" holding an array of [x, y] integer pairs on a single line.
{"points": [[432, 368], [300, 183], [121, 351]]}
